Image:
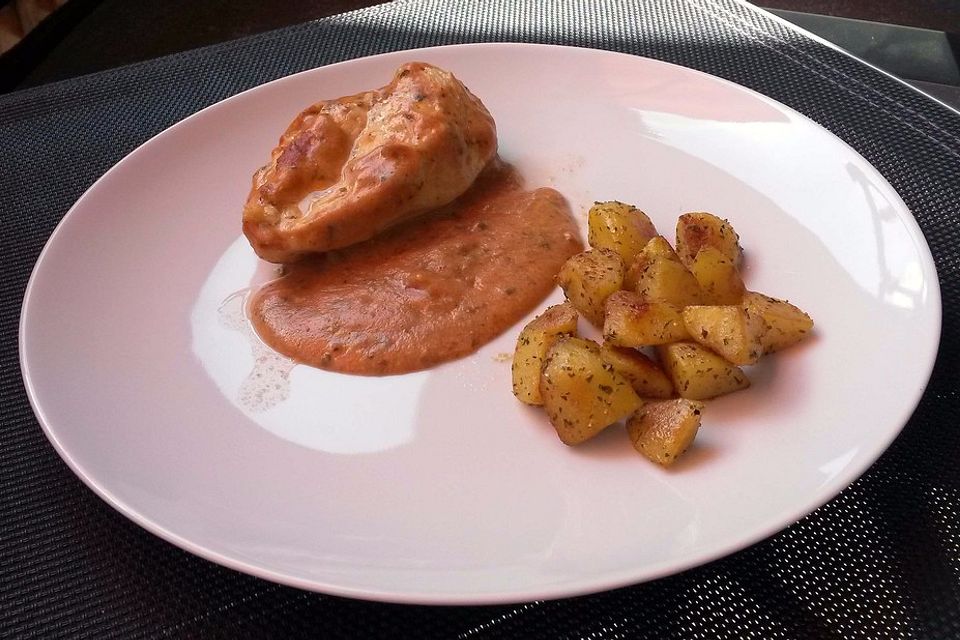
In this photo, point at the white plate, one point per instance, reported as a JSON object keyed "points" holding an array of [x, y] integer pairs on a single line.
{"points": [[438, 487]]}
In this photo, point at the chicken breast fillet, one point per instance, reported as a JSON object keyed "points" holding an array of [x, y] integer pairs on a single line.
{"points": [[347, 169]]}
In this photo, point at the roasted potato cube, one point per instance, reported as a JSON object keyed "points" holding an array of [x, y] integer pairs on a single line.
{"points": [[732, 331], [662, 430], [657, 275], [588, 278], [658, 246], [631, 322], [532, 345], [698, 373], [718, 276], [783, 323], [581, 393], [644, 375], [696, 231], [619, 227]]}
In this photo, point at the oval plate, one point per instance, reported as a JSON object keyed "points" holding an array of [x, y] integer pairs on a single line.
{"points": [[439, 487]]}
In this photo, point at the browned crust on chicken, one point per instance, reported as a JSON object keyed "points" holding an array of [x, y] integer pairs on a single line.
{"points": [[347, 169]]}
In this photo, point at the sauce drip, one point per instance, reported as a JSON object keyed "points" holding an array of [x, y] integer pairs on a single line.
{"points": [[432, 290]]}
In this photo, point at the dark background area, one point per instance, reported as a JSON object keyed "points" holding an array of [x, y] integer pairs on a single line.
{"points": [[86, 36], [940, 15]]}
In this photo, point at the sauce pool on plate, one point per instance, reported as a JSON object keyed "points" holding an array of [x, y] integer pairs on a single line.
{"points": [[427, 292]]}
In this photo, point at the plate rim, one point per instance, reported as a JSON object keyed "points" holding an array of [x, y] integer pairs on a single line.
{"points": [[548, 591]]}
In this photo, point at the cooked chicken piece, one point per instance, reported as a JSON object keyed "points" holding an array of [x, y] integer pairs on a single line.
{"points": [[347, 169]]}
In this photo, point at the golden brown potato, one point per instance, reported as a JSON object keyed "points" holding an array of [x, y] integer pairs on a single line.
{"points": [[662, 430], [696, 231], [690, 305], [783, 323], [657, 275], [588, 279], [581, 394], [732, 331], [631, 322], [619, 227], [658, 246], [532, 344], [718, 276], [645, 376], [698, 373]]}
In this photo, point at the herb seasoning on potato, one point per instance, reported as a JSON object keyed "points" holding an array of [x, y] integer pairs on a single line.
{"points": [[688, 307]]}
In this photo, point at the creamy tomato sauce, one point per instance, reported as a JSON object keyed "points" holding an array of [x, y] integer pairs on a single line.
{"points": [[432, 290]]}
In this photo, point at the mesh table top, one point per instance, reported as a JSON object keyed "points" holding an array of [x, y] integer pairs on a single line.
{"points": [[880, 560]]}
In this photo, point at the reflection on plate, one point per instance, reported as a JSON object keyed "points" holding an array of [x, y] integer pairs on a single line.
{"points": [[438, 487]]}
